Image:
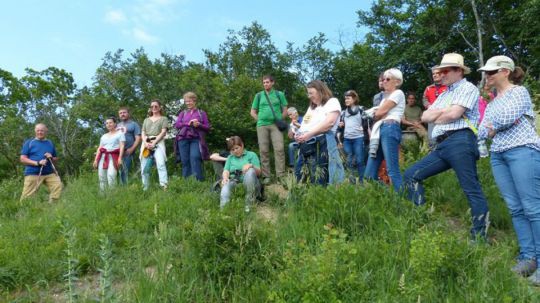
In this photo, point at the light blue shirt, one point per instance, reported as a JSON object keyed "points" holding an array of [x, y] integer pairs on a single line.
{"points": [[511, 115], [461, 93]]}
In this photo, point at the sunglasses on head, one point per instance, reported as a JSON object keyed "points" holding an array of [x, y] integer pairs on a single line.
{"points": [[491, 72]]}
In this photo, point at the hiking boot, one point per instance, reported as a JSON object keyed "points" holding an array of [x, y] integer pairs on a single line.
{"points": [[525, 267], [535, 278]]}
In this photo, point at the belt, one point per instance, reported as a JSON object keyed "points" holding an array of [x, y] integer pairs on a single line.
{"points": [[389, 121], [447, 134]]}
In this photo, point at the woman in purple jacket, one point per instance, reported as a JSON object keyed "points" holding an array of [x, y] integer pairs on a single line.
{"points": [[192, 124]]}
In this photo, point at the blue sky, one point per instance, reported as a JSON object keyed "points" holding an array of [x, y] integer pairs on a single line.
{"points": [[75, 34]]}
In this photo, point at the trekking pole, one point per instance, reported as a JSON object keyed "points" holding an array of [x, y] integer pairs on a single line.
{"points": [[53, 167]]}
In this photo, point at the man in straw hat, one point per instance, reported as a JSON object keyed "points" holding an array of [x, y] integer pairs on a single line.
{"points": [[455, 115], [38, 155]]}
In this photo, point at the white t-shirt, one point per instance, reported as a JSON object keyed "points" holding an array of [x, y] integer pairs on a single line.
{"points": [[112, 142], [397, 111], [317, 115]]}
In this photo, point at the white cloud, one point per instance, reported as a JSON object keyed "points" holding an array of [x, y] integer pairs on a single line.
{"points": [[115, 16], [142, 36]]}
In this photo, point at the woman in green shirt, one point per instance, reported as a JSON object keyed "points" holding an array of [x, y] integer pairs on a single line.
{"points": [[153, 135], [241, 166]]}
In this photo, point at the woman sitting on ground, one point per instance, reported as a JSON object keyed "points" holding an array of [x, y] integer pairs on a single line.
{"points": [[109, 154], [242, 166]]}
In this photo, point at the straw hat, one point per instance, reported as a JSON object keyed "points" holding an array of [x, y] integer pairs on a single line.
{"points": [[453, 60]]}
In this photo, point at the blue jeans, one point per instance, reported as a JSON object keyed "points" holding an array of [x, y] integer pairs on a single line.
{"points": [[354, 148], [336, 171], [458, 152], [517, 173], [126, 165], [190, 155], [250, 182], [390, 137], [292, 150]]}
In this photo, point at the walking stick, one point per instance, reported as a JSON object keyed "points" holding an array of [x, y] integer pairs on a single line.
{"points": [[53, 167]]}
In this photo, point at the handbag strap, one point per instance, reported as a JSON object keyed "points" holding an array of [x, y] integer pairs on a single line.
{"points": [[270, 104]]}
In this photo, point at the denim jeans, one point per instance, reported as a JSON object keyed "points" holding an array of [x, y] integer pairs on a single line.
{"points": [[459, 152], [354, 148], [126, 165], [390, 137], [317, 164], [293, 151], [517, 173], [336, 172], [251, 184], [160, 157], [190, 155]]}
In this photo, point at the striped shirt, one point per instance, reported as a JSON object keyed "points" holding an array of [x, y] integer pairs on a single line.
{"points": [[511, 115], [461, 93]]}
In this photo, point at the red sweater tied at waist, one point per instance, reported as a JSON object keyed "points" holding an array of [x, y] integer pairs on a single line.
{"points": [[115, 154]]}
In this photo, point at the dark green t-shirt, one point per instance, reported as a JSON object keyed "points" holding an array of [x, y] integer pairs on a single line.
{"points": [[260, 104]]}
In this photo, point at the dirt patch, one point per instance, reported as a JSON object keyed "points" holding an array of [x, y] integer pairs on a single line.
{"points": [[278, 190], [267, 213]]}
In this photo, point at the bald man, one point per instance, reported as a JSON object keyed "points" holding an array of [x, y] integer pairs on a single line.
{"points": [[38, 155]]}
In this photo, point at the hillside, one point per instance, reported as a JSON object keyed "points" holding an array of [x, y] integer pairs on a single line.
{"points": [[346, 244]]}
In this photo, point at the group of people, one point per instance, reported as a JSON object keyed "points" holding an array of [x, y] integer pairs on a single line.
{"points": [[451, 114]]}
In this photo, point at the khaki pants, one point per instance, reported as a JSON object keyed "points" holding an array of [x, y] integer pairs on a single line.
{"points": [[265, 135], [33, 182]]}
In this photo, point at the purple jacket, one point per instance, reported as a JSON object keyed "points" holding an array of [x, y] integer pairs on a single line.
{"points": [[185, 130]]}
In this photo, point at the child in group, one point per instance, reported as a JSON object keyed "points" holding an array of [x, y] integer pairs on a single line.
{"points": [[241, 166]]}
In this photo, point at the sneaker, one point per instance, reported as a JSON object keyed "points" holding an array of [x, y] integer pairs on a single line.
{"points": [[266, 181], [246, 209], [535, 278], [525, 267]]}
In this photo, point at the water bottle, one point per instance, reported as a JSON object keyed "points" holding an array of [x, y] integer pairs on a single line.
{"points": [[482, 148]]}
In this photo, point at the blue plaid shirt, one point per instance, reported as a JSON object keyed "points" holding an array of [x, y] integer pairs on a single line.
{"points": [[461, 93], [512, 117]]}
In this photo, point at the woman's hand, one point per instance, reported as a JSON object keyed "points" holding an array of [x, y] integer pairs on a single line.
{"points": [[95, 164], [195, 123], [246, 167], [301, 138], [119, 161], [224, 181]]}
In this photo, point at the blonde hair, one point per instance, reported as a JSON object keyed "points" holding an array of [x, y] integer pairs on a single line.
{"points": [[190, 95]]}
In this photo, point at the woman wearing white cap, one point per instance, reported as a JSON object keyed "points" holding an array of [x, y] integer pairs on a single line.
{"points": [[515, 157]]}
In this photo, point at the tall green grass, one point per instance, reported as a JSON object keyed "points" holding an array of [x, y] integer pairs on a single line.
{"points": [[333, 244]]}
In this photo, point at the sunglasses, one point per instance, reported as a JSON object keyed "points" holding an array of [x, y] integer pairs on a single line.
{"points": [[491, 72], [387, 79]]}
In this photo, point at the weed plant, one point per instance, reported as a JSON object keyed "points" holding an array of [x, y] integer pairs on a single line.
{"points": [[347, 243]]}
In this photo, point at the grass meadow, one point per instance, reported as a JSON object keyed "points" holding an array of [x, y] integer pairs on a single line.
{"points": [[312, 244]]}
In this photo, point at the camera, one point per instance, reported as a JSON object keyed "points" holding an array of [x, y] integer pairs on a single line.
{"points": [[237, 175]]}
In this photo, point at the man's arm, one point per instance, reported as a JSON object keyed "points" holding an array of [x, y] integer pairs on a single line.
{"points": [[26, 161], [254, 114], [450, 114], [130, 150]]}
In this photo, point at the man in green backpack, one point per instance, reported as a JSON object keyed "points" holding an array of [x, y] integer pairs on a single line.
{"points": [[269, 106]]}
